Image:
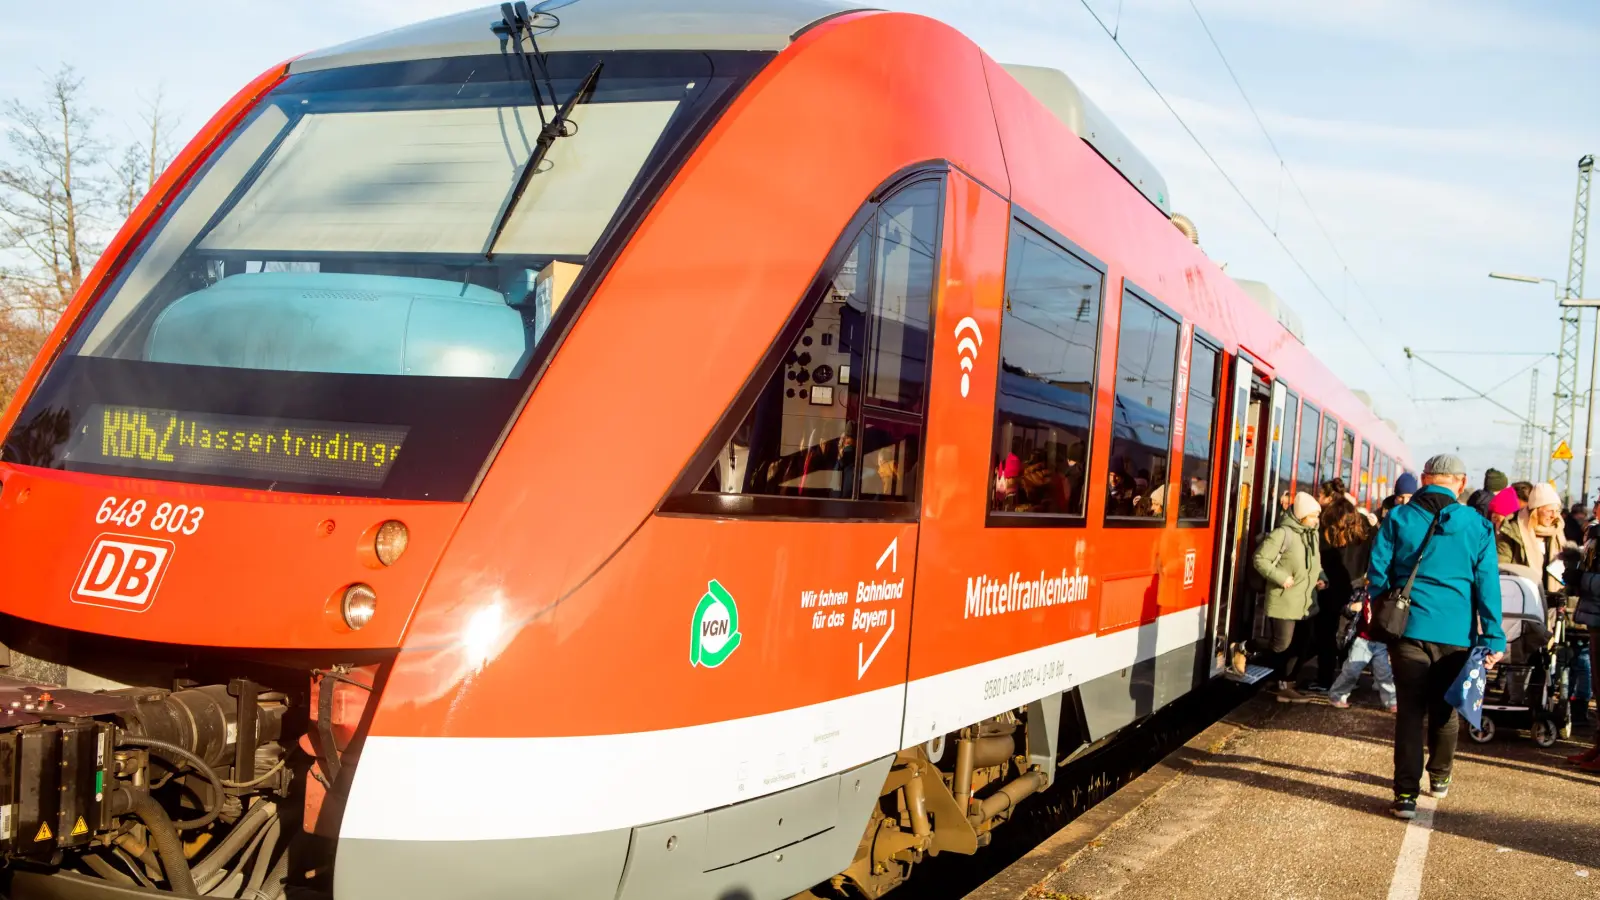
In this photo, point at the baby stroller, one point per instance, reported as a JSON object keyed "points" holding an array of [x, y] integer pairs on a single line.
{"points": [[1529, 688]]}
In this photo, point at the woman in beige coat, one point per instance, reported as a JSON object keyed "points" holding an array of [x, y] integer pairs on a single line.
{"points": [[1530, 542]]}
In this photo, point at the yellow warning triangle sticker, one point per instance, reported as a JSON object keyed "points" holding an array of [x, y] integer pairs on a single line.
{"points": [[44, 832], [1562, 451], [80, 827]]}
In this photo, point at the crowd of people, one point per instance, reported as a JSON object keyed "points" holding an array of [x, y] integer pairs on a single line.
{"points": [[1441, 550]]}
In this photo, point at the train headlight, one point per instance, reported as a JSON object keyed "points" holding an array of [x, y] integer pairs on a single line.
{"points": [[358, 605], [390, 541]]}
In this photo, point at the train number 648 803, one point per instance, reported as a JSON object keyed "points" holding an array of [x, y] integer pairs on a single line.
{"points": [[170, 518]]}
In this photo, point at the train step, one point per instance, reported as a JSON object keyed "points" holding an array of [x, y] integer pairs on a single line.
{"points": [[1252, 674]]}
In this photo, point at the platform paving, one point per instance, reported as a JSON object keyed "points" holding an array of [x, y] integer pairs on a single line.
{"points": [[1290, 802]]}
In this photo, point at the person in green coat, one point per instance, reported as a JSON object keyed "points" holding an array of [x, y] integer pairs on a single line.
{"points": [[1290, 561]]}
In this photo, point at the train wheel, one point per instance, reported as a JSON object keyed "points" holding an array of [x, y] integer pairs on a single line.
{"points": [[1484, 734]]}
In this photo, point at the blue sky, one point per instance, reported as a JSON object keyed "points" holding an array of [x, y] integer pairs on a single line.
{"points": [[1435, 140]]}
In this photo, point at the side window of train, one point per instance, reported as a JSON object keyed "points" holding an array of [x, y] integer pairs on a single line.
{"points": [[1045, 401], [1310, 425], [1347, 459], [1141, 423], [1330, 451], [1199, 426], [836, 429], [1291, 412], [1369, 481]]}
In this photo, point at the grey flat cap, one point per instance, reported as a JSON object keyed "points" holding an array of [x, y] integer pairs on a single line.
{"points": [[1444, 464]]}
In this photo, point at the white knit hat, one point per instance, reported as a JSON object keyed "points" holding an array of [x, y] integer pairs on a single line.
{"points": [[1543, 495], [1305, 505]]}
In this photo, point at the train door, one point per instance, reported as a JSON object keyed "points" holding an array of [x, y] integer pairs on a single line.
{"points": [[1248, 472], [1262, 477], [1269, 457], [1237, 479]]}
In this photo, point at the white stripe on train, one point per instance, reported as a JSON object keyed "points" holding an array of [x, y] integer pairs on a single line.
{"points": [[463, 789]]}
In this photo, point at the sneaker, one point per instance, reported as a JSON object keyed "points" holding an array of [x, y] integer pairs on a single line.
{"points": [[1438, 787], [1339, 702], [1405, 807], [1317, 689]]}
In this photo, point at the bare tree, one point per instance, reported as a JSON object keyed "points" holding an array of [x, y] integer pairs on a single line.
{"points": [[25, 320], [60, 197], [51, 204], [50, 199], [130, 173], [143, 161]]}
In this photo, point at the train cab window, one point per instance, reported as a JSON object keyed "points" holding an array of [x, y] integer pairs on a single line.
{"points": [[1329, 467], [1199, 422], [840, 418], [1368, 479], [903, 266], [1141, 425], [1306, 471], [1045, 401], [1347, 459], [1291, 413], [905, 258]]}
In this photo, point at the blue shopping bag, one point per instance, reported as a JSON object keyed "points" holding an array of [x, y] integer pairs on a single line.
{"points": [[1466, 692]]}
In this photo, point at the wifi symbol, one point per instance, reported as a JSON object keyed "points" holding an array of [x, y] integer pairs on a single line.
{"points": [[967, 347]]}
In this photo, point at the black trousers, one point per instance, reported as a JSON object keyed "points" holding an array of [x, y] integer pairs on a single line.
{"points": [[1288, 646], [1330, 610], [1423, 671]]}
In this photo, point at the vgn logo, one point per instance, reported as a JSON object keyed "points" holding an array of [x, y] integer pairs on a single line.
{"points": [[122, 572], [716, 627]]}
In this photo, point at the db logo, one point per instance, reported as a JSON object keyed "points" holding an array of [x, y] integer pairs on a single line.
{"points": [[1188, 568], [122, 572]]}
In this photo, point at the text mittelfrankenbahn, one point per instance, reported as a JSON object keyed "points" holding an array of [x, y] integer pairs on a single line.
{"points": [[989, 597]]}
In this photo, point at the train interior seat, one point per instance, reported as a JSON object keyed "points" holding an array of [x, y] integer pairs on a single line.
{"points": [[344, 323]]}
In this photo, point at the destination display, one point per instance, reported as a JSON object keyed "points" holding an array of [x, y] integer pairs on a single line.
{"points": [[294, 450]]}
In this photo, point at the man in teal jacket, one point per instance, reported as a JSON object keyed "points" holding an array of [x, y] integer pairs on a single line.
{"points": [[1455, 605]]}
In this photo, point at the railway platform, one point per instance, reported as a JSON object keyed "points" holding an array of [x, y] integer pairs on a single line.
{"points": [[1291, 801]]}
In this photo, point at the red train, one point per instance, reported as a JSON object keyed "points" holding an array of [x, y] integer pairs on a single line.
{"points": [[618, 449]]}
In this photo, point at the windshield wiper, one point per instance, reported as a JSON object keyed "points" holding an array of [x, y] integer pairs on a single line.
{"points": [[516, 24]]}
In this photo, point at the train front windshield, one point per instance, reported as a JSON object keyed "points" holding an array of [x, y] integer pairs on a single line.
{"points": [[348, 296]]}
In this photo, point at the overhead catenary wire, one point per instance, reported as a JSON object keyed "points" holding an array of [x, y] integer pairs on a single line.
{"points": [[1514, 375], [1540, 353], [1283, 166], [1216, 164], [1412, 355]]}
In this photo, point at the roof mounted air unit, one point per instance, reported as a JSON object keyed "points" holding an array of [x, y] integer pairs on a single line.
{"points": [[1072, 106], [1268, 299]]}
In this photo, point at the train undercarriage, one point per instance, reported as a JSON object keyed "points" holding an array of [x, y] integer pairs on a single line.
{"points": [[125, 773], [947, 798]]}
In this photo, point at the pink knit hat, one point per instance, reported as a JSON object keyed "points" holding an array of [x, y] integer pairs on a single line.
{"points": [[1505, 503]]}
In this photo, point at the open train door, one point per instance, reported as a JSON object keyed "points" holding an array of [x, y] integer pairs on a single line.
{"points": [[1250, 607], [1245, 474]]}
